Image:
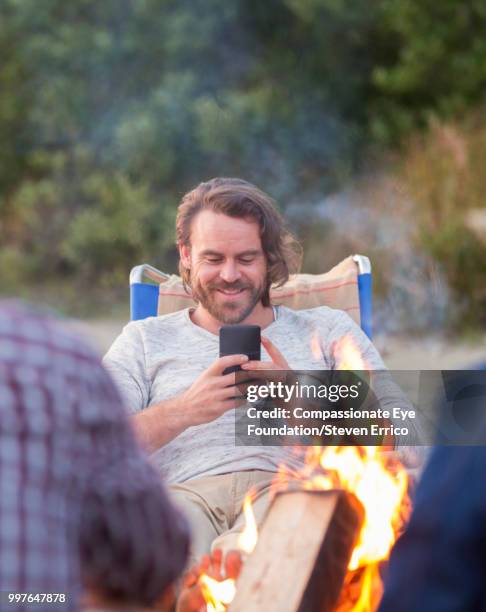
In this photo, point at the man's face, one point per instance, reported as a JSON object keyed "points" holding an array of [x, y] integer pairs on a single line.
{"points": [[227, 263]]}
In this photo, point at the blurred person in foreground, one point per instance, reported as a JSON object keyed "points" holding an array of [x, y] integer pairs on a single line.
{"points": [[233, 247], [82, 513], [439, 563]]}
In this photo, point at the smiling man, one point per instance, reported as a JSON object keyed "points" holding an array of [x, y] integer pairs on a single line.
{"points": [[233, 246], [224, 257]]}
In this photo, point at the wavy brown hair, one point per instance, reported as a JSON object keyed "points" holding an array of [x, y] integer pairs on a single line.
{"points": [[240, 199]]}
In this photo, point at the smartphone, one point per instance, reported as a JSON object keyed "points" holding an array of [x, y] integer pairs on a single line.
{"points": [[239, 340]]}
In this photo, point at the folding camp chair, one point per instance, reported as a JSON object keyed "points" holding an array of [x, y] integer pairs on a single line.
{"points": [[153, 292]]}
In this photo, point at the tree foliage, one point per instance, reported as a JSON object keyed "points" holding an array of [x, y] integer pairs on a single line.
{"points": [[110, 110]]}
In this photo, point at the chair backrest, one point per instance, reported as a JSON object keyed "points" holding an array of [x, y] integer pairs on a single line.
{"points": [[348, 286]]}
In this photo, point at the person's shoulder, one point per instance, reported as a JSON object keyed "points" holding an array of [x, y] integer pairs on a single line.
{"points": [[162, 321], [320, 315], [163, 324]]}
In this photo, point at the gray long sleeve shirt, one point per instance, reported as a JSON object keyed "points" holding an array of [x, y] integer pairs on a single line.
{"points": [[160, 357]]}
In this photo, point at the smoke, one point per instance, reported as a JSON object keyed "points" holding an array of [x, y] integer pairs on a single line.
{"points": [[374, 217]]}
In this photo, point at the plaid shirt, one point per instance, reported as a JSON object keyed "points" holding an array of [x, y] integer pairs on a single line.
{"points": [[78, 500]]}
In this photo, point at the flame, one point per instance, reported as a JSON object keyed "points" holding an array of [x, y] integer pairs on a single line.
{"points": [[377, 479], [379, 482], [368, 594], [347, 354], [380, 486], [362, 590], [249, 536], [217, 594]]}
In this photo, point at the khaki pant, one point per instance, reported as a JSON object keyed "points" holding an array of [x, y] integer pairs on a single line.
{"points": [[214, 504]]}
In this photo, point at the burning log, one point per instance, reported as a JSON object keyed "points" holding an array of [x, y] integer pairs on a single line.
{"points": [[302, 554]]}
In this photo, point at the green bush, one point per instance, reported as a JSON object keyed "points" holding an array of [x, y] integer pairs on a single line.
{"points": [[92, 230]]}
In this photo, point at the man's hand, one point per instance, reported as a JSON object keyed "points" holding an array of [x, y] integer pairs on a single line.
{"points": [[191, 598], [275, 370], [277, 362], [212, 394]]}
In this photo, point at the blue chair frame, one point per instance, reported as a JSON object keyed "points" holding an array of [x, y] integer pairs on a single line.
{"points": [[144, 296]]}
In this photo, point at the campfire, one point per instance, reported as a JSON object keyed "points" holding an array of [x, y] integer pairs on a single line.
{"points": [[367, 486]]}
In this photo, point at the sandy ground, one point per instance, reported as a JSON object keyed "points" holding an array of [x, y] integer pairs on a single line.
{"points": [[425, 353]]}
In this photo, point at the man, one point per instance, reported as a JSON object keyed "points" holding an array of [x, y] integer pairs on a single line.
{"points": [[233, 246]]}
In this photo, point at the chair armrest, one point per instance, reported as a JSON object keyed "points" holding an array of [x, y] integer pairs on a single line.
{"points": [[144, 296], [138, 273]]}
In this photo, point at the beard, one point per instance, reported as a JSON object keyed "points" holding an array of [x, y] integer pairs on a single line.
{"points": [[228, 312]]}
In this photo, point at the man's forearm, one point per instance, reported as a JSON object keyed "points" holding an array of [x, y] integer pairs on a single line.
{"points": [[159, 424]]}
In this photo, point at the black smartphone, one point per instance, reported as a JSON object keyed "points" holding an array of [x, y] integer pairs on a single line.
{"points": [[240, 340]]}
